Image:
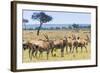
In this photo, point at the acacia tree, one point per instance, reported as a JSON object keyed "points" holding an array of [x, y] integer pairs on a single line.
{"points": [[76, 27], [42, 18]]}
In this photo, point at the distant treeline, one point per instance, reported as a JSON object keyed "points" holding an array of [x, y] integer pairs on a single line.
{"points": [[74, 26]]}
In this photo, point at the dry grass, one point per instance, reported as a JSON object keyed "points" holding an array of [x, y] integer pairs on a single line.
{"points": [[56, 34]]}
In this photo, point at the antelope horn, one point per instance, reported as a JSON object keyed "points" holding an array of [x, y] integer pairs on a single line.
{"points": [[88, 38], [46, 36]]}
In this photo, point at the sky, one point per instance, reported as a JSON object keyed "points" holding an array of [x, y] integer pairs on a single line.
{"points": [[60, 17]]}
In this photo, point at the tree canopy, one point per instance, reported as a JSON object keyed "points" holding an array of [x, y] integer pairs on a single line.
{"points": [[42, 18]]}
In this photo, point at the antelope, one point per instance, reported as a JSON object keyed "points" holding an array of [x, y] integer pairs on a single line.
{"points": [[80, 42], [59, 44], [31, 47], [42, 45]]}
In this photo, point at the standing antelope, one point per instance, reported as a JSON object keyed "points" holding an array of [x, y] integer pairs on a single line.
{"points": [[42, 46], [59, 44], [80, 42]]}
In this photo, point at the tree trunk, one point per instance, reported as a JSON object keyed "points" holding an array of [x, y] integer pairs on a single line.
{"points": [[38, 31]]}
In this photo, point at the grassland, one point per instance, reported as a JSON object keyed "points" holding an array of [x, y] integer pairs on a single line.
{"points": [[29, 35]]}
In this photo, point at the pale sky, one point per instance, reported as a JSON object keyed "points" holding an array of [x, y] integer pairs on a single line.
{"points": [[60, 17]]}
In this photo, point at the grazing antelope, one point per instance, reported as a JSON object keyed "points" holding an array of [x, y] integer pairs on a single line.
{"points": [[31, 47]]}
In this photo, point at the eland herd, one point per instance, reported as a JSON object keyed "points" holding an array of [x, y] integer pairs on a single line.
{"points": [[48, 45]]}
